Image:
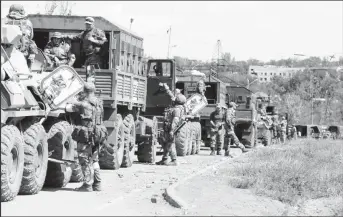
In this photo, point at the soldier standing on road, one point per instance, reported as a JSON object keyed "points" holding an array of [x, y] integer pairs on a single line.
{"points": [[92, 41], [217, 118], [58, 51], [283, 126], [171, 122], [86, 136], [230, 120], [17, 16]]}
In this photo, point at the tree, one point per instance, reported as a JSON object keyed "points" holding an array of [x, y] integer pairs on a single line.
{"points": [[59, 8]]}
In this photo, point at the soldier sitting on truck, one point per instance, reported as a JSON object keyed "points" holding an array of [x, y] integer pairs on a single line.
{"points": [[17, 16], [92, 40], [230, 120], [217, 118], [58, 51]]}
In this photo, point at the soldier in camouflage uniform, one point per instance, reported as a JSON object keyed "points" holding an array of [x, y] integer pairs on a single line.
{"points": [[92, 41], [283, 126], [87, 134], [171, 122], [58, 51], [230, 120], [17, 16], [217, 132]]}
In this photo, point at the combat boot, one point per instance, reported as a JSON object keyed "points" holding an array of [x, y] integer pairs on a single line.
{"points": [[172, 163], [84, 188], [213, 152], [219, 152], [97, 186], [162, 162]]}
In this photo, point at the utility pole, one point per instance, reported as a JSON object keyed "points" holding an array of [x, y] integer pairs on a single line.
{"points": [[169, 31]]}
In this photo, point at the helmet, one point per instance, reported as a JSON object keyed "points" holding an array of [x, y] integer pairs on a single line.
{"points": [[232, 105], [17, 11], [56, 35], [89, 87], [180, 99]]}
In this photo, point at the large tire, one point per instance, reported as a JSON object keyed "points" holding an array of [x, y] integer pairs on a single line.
{"points": [[12, 162], [181, 141], [36, 159], [111, 156], [59, 136], [129, 141], [146, 152]]}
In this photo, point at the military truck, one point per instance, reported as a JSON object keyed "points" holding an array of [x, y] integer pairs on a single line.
{"points": [[215, 93], [36, 144], [188, 139], [126, 88]]}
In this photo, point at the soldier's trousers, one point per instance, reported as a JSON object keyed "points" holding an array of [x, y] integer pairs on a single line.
{"points": [[86, 162], [169, 148], [283, 136], [96, 165], [232, 136], [217, 139], [93, 59]]}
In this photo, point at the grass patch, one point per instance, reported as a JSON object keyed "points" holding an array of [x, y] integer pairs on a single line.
{"points": [[296, 171]]}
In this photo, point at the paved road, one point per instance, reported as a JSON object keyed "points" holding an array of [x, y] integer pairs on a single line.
{"points": [[127, 191]]}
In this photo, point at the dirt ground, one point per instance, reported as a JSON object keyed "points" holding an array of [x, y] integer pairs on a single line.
{"points": [[128, 191]]}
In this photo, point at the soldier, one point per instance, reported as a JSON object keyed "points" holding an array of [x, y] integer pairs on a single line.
{"points": [[86, 138], [58, 51], [217, 130], [283, 126], [92, 40], [201, 87], [275, 129], [17, 16], [172, 121], [230, 120]]}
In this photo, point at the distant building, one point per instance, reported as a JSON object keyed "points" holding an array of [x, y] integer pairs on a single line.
{"points": [[267, 72]]}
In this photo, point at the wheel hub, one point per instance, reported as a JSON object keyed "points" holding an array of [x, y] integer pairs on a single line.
{"points": [[13, 165]]}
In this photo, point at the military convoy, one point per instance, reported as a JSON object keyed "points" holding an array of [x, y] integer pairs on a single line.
{"points": [[36, 137]]}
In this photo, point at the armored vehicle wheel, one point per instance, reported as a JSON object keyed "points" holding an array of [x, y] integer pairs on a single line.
{"points": [[36, 159], [111, 156], [129, 141], [193, 142], [147, 151], [12, 162], [59, 138], [181, 141]]}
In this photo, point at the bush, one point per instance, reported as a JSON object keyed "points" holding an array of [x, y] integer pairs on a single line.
{"points": [[302, 169]]}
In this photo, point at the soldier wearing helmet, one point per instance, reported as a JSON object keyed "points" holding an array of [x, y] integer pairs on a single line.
{"points": [[17, 16], [230, 120], [92, 40], [58, 51], [201, 87], [172, 120], [217, 132], [85, 136]]}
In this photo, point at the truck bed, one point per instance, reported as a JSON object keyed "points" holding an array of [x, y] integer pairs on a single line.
{"points": [[119, 88]]}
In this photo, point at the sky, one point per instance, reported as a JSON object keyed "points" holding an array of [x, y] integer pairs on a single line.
{"points": [[247, 29]]}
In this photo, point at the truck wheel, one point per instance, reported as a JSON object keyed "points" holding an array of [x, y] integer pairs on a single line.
{"points": [[181, 141], [193, 142], [59, 137], [146, 152], [12, 162], [111, 156], [129, 141], [36, 159]]}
